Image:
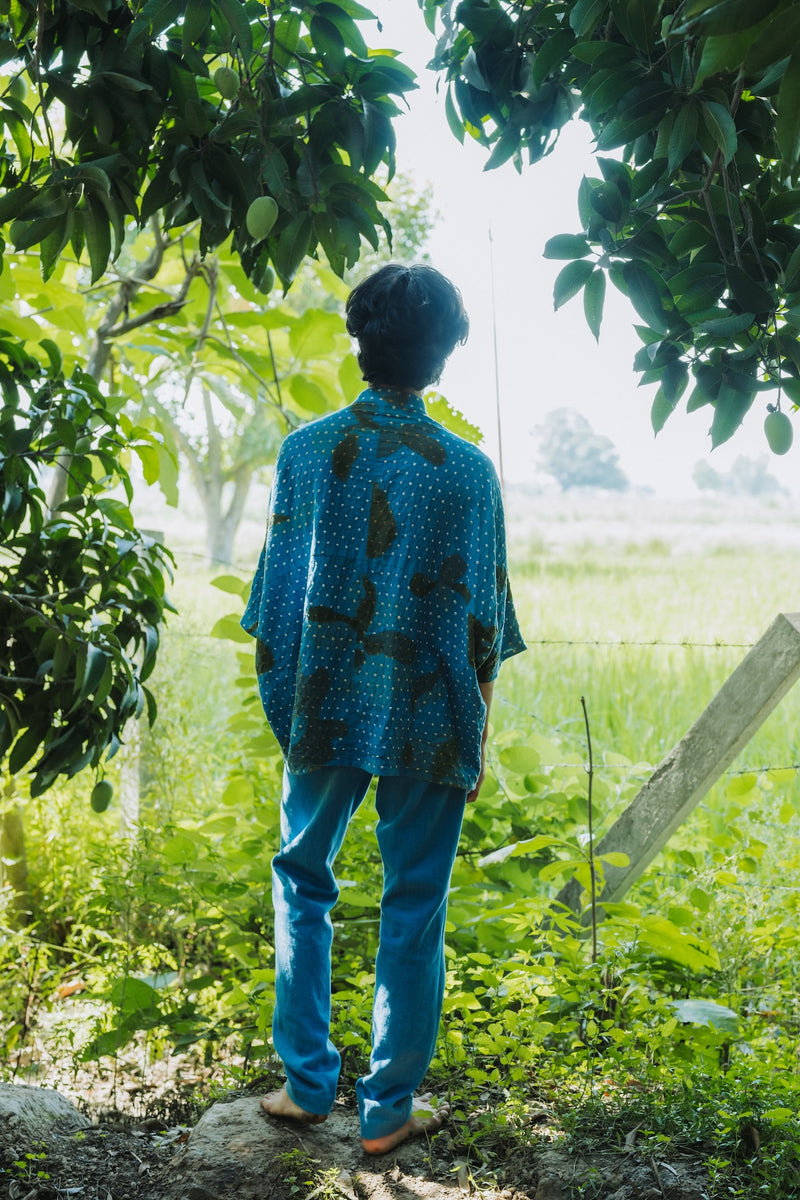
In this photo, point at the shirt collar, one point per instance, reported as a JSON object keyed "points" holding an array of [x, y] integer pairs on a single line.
{"points": [[394, 402]]}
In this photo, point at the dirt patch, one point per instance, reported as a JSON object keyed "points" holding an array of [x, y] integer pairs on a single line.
{"points": [[234, 1151]]}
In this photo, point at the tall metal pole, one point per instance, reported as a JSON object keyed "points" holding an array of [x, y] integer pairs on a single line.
{"points": [[496, 369]]}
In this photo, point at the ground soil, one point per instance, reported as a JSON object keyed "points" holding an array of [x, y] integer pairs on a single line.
{"points": [[233, 1150]]}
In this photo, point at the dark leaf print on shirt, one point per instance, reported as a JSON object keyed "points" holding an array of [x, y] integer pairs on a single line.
{"points": [[365, 413], [445, 760], [449, 575], [424, 684], [413, 438], [315, 747], [382, 529], [345, 454], [483, 653], [265, 659], [348, 449], [390, 642]]}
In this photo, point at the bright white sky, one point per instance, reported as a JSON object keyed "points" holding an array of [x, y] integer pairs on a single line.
{"points": [[547, 360]]}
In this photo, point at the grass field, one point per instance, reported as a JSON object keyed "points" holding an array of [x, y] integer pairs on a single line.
{"points": [[641, 606]]}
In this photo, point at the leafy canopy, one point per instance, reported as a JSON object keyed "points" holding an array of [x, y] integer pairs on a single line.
{"points": [[694, 215], [83, 592], [177, 115], [124, 119]]}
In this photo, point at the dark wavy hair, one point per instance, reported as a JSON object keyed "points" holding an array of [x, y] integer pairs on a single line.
{"points": [[407, 321]]}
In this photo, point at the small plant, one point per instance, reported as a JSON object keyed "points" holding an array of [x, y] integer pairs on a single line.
{"points": [[25, 1168], [297, 1171]]}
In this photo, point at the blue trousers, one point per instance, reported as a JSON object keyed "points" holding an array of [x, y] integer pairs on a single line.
{"points": [[418, 828]]}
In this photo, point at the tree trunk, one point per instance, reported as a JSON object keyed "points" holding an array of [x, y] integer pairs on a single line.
{"points": [[222, 527], [14, 867], [112, 326]]}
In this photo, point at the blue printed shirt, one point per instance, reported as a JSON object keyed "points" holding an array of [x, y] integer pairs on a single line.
{"points": [[381, 597]]}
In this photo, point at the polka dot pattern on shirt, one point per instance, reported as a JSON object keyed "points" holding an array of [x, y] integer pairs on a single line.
{"points": [[381, 597]]}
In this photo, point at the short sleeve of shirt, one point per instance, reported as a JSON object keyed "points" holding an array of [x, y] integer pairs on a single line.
{"points": [[507, 639]]}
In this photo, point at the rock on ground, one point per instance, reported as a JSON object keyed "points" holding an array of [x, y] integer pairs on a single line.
{"points": [[236, 1150], [29, 1114]]}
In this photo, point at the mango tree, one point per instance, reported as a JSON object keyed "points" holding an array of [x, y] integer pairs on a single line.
{"points": [[177, 115], [695, 210]]}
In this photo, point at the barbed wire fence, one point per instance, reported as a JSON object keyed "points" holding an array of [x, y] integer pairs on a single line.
{"points": [[642, 769]]}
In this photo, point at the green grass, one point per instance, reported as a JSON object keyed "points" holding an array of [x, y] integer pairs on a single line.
{"points": [[634, 629], [641, 697]]}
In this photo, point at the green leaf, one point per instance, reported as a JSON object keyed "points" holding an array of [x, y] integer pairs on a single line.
{"points": [[292, 246], [195, 21], [683, 136], [706, 1012], [747, 292], [439, 409], [308, 394], [329, 44], [606, 199], [639, 113], [520, 759], [570, 280], [614, 858], [725, 16], [551, 55], [527, 848], [690, 236], [314, 334], [730, 408], [24, 749], [155, 17], [228, 627], [638, 21], [504, 148], [55, 356], [721, 54], [14, 202], [567, 245], [667, 941], [650, 176], [97, 233], [235, 26], [594, 294], [727, 326], [674, 379], [720, 125], [350, 33], [648, 293], [662, 408], [787, 124], [232, 584], [24, 234], [585, 15], [779, 34], [778, 1116], [453, 119]]}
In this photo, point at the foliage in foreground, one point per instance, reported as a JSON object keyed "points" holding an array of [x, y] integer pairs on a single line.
{"points": [[686, 1020], [692, 1000], [128, 116], [694, 213], [82, 592]]}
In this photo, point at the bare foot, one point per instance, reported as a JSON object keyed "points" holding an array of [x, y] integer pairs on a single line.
{"points": [[280, 1104], [426, 1117]]}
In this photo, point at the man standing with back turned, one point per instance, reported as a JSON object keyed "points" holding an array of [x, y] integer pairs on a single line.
{"points": [[381, 613]]}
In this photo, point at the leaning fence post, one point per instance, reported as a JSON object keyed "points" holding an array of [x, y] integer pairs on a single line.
{"points": [[740, 707]]}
